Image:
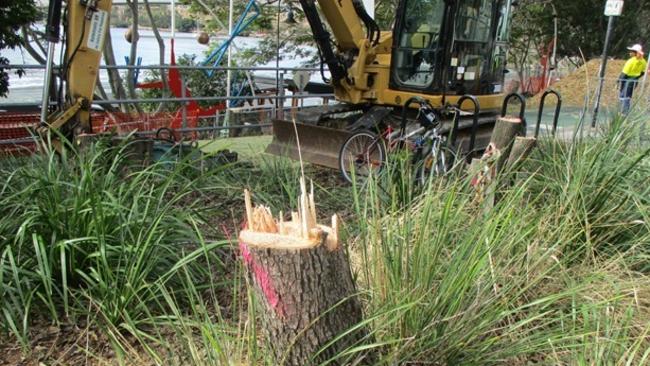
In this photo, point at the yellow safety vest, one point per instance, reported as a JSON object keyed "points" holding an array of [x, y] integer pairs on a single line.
{"points": [[635, 66]]}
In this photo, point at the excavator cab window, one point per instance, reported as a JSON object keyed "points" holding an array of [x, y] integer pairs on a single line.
{"points": [[500, 53], [450, 46], [478, 54], [418, 50]]}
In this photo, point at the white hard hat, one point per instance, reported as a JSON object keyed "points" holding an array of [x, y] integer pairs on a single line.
{"points": [[636, 48]]}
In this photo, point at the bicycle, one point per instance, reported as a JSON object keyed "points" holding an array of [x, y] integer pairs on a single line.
{"points": [[365, 152], [437, 157]]}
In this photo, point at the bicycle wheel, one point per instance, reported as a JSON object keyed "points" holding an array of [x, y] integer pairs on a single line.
{"points": [[436, 162], [362, 154]]}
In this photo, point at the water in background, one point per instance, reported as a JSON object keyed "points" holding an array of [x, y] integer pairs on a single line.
{"points": [[28, 88]]}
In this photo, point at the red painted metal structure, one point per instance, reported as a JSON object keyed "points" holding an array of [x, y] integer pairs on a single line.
{"points": [[17, 128], [540, 82]]}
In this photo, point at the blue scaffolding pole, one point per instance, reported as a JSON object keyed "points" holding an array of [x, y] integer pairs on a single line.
{"points": [[248, 16]]}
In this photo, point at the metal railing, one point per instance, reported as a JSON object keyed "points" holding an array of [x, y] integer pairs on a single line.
{"points": [[272, 103], [178, 67]]}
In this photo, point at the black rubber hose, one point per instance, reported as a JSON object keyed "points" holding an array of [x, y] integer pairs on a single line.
{"points": [[373, 32]]}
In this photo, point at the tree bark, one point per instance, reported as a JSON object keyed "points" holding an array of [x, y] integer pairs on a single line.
{"points": [[485, 171], [303, 280], [520, 65], [133, 5], [114, 78], [521, 148], [161, 54], [503, 136], [37, 56], [99, 88]]}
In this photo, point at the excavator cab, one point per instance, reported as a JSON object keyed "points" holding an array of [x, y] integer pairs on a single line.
{"points": [[450, 47], [438, 50]]}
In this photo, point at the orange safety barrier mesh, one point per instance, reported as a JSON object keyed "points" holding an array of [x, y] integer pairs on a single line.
{"points": [[16, 128]]}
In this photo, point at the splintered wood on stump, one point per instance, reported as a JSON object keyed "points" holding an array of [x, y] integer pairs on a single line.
{"points": [[302, 275], [485, 170]]}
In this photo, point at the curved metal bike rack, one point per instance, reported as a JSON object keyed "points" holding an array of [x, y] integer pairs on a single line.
{"points": [[454, 129], [556, 115], [522, 107], [419, 100]]}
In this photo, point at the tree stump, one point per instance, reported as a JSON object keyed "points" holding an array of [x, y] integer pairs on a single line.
{"points": [[521, 148], [302, 277], [503, 136], [496, 158]]}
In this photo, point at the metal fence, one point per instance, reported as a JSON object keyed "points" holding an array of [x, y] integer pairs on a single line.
{"points": [[279, 96]]}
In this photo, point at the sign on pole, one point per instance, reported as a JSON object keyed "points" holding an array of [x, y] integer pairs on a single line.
{"points": [[614, 8], [301, 78]]}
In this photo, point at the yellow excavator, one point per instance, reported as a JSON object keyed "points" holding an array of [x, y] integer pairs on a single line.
{"points": [[86, 23], [438, 50]]}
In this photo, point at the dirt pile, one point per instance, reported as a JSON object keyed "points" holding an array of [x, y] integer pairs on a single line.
{"points": [[580, 86]]}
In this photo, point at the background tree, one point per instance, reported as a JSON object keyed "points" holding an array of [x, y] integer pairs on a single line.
{"points": [[526, 35], [13, 14], [582, 26], [133, 54]]}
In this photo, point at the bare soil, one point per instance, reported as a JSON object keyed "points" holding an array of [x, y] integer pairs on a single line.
{"points": [[579, 87]]}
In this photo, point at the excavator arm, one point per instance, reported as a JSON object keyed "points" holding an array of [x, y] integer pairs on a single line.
{"points": [[352, 49], [85, 23]]}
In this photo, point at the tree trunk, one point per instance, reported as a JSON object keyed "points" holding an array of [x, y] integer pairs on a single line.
{"points": [[486, 170], [133, 55], [161, 54], [114, 78], [520, 65], [303, 280], [503, 136], [36, 55], [521, 148], [99, 88]]}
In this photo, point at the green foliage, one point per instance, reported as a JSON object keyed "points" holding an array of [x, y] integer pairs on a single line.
{"points": [[13, 15], [582, 26], [161, 17], [556, 273], [87, 233], [199, 83], [545, 276], [214, 15], [294, 37]]}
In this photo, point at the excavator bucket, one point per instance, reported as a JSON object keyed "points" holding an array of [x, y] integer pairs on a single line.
{"points": [[318, 145]]}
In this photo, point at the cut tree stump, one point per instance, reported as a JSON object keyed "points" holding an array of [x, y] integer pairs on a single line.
{"points": [[505, 142], [521, 148], [503, 136], [302, 277]]}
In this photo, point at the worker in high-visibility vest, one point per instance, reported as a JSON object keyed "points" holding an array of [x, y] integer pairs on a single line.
{"points": [[633, 70]]}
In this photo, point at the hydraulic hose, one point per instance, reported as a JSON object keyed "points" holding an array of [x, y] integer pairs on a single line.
{"points": [[371, 26]]}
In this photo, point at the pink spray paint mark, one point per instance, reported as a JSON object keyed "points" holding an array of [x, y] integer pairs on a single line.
{"points": [[263, 279]]}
